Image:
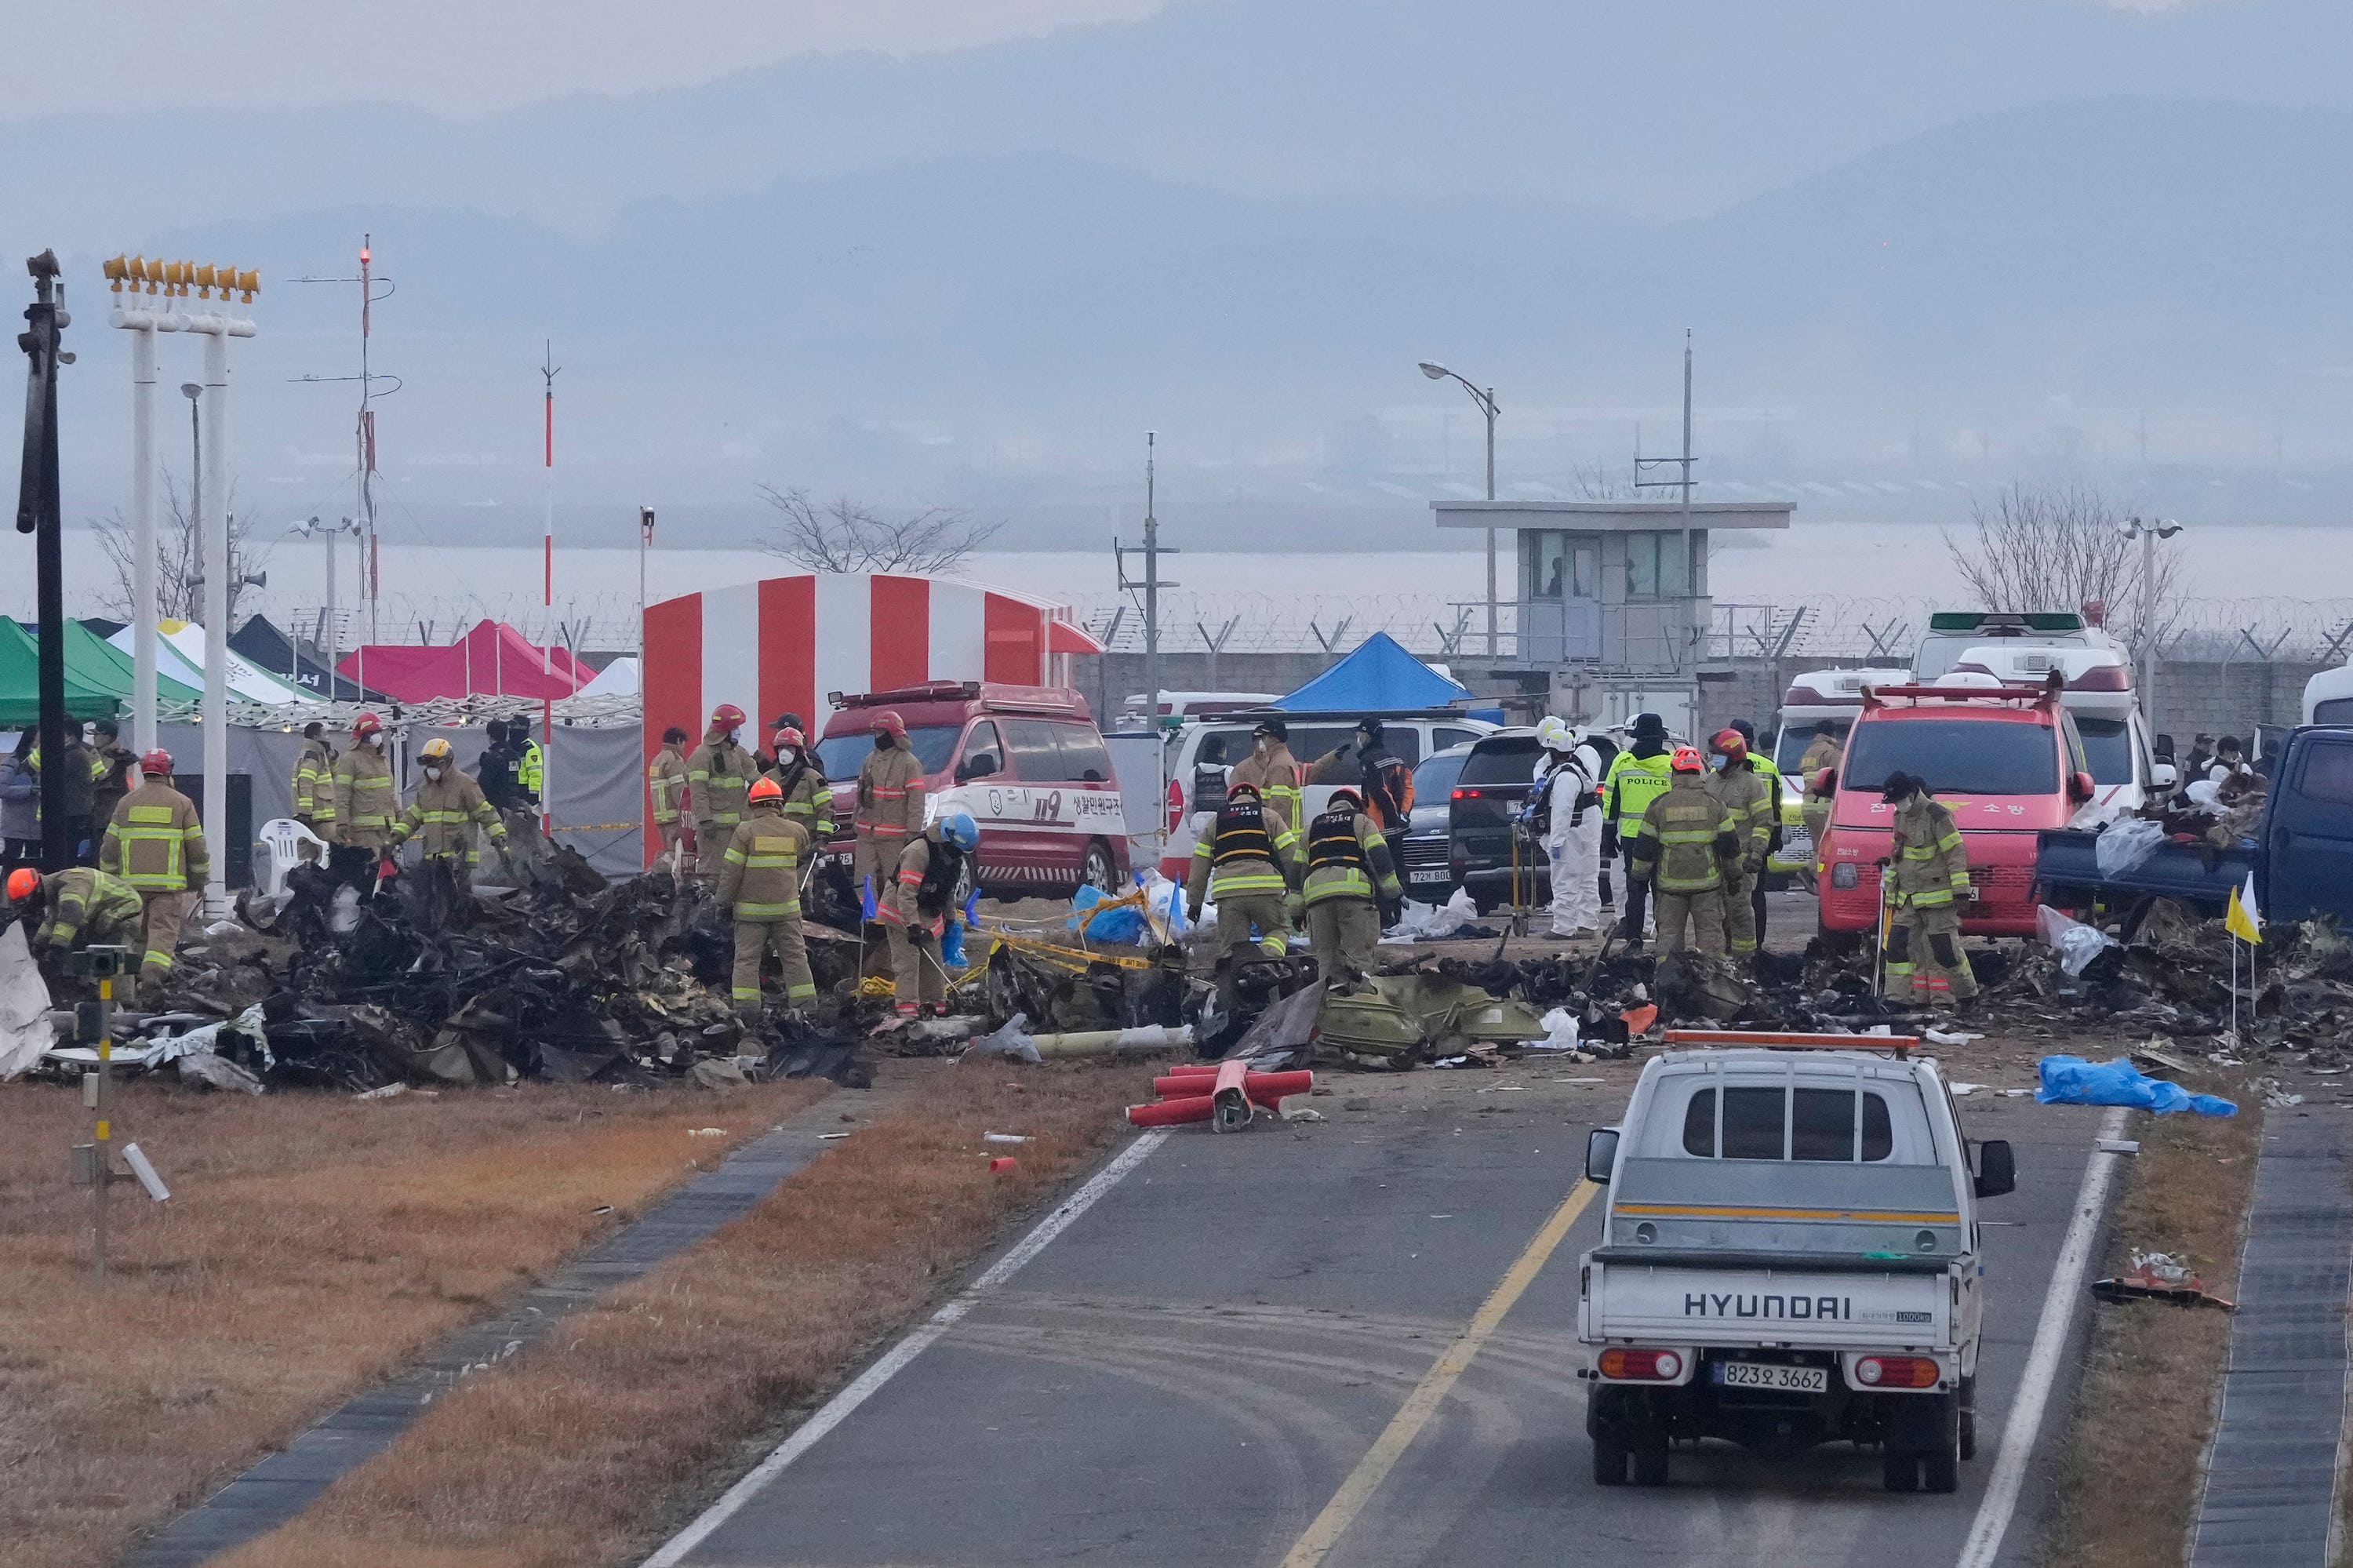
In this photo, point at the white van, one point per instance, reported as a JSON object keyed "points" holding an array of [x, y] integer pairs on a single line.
{"points": [[2328, 697], [2099, 693]]}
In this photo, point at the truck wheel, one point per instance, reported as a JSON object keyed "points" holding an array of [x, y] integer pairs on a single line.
{"points": [[1940, 1455], [1650, 1462], [1609, 1462]]}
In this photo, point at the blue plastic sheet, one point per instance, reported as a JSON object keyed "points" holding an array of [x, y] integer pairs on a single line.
{"points": [[2073, 1081], [1115, 925]]}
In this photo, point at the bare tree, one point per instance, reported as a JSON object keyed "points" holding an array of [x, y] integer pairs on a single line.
{"points": [[1594, 482], [847, 535], [2061, 548], [179, 561]]}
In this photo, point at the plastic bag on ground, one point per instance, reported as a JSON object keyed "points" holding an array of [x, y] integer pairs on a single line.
{"points": [[1433, 922], [1124, 923], [2123, 845], [2073, 1081], [26, 1030], [1164, 908], [1560, 1032], [2075, 943]]}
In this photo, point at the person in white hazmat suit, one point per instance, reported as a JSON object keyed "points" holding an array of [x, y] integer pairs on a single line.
{"points": [[1569, 786]]}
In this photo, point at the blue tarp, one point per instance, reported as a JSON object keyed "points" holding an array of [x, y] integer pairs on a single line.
{"points": [[1380, 677]]}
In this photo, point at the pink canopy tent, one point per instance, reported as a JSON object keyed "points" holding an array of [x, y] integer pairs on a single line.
{"points": [[491, 660]]}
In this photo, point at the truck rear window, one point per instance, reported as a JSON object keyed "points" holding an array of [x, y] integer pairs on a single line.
{"points": [[1957, 756], [1758, 1121]]}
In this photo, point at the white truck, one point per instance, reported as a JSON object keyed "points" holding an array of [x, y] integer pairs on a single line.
{"points": [[1789, 1257]]}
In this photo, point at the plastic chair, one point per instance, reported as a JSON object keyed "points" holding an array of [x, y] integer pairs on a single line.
{"points": [[283, 838]]}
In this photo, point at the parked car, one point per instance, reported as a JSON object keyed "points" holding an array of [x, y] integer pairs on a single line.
{"points": [[1201, 754], [1426, 865], [1027, 762], [2005, 760], [1497, 778]]}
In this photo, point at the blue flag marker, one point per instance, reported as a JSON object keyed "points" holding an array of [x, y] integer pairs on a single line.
{"points": [[866, 897]]}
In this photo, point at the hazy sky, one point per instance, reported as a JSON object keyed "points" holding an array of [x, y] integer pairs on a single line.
{"points": [[468, 57]]}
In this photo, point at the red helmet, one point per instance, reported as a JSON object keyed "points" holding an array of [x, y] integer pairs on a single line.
{"points": [[1242, 787], [1729, 743], [726, 715], [1686, 759], [786, 736], [888, 722], [366, 724], [22, 882], [155, 762]]}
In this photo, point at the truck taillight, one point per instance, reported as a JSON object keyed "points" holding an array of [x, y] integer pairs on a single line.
{"points": [[1897, 1372], [2103, 678], [1176, 804], [1656, 1366]]}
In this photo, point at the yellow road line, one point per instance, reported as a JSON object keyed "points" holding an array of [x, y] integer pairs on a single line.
{"points": [[1381, 1459]]}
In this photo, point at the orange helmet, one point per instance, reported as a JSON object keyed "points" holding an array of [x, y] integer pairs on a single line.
{"points": [[1729, 743], [365, 725], [889, 723], [726, 715], [1686, 760], [23, 882], [765, 789], [786, 736]]}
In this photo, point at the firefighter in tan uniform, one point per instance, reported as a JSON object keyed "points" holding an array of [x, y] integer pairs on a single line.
{"points": [[1753, 800], [1928, 880], [916, 910], [444, 813], [1272, 771], [1349, 877], [156, 844], [314, 783], [666, 784], [1245, 864], [717, 777], [808, 798], [890, 805], [366, 800], [86, 908], [760, 883], [1686, 839], [1822, 753]]}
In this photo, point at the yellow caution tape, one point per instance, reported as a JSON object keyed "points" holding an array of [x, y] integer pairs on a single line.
{"points": [[1075, 958]]}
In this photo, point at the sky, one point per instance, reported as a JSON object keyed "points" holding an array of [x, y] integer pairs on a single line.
{"points": [[256, 53]]}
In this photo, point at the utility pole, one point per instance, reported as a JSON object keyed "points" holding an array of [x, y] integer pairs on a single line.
{"points": [[645, 546], [1151, 583], [1683, 480], [363, 439], [39, 513]]}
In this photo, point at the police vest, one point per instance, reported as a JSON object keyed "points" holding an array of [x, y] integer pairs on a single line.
{"points": [[1331, 843], [1241, 834], [1639, 780]]}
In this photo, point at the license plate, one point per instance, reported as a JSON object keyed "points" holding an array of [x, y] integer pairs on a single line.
{"points": [[1796, 843], [1439, 874], [1771, 1375]]}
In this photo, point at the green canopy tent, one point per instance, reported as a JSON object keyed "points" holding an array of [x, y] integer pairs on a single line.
{"points": [[104, 664], [90, 691]]}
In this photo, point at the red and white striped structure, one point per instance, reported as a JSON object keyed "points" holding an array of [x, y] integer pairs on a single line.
{"points": [[780, 645]]}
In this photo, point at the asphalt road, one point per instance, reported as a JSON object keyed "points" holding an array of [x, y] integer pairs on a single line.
{"points": [[1195, 1368]]}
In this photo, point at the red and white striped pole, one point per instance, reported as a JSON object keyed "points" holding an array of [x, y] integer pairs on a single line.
{"points": [[547, 589]]}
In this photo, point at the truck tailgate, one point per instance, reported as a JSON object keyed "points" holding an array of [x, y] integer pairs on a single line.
{"points": [[1898, 1305]]}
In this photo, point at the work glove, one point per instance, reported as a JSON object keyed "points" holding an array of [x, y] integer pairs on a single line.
{"points": [[1192, 911], [1754, 864]]}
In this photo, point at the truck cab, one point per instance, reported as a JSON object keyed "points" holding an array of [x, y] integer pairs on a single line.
{"points": [[1789, 1256]]}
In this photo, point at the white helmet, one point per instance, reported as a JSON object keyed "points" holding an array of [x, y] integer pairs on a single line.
{"points": [[1554, 733]]}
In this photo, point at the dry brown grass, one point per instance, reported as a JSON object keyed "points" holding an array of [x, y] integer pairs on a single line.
{"points": [[587, 1446], [312, 1243], [2146, 1410]]}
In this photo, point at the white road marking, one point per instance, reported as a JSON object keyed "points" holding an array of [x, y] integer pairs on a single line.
{"points": [[838, 1409], [2018, 1434]]}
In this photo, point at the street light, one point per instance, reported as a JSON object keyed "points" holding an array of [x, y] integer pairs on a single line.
{"points": [[311, 529], [1489, 406], [2148, 532], [194, 392]]}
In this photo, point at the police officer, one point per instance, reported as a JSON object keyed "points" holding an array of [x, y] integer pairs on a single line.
{"points": [[314, 783], [1929, 870], [365, 801], [445, 812], [1246, 864], [917, 909], [1752, 800], [1349, 877], [499, 768], [1637, 775], [666, 784], [760, 885], [717, 777], [889, 804], [86, 908], [1682, 845], [156, 845]]}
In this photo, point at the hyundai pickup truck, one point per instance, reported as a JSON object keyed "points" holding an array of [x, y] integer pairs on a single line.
{"points": [[1789, 1257]]}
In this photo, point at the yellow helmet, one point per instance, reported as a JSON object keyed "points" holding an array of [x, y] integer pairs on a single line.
{"points": [[435, 750]]}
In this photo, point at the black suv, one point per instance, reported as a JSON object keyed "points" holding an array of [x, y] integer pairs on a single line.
{"points": [[1495, 781]]}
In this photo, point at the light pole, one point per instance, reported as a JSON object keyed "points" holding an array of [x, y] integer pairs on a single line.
{"points": [[328, 628], [2148, 531], [194, 393], [645, 543], [1489, 406]]}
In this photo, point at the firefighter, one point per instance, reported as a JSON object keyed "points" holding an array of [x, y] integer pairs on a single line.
{"points": [[1245, 863], [666, 781], [717, 775], [760, 885], [1819, 768], [86, 908], [1929, 867], [1273, 771], [366, 800], [444, 812], [1684, 843], [156, 844], [1637, 775], [314, 783], [1350, 878], [916, 908], [808, 798], [1379, 774], [890, 813], [109, 774], [1566, 812], [1752, 799]]}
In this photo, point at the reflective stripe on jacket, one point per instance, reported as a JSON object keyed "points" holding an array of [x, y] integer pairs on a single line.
{"points": [[1277, 777], [314, 783], [1260, 859], [530, 772], [717, 777], [1930, 860], [808, 798], [1632, 784], [891, 793], [1685, 835], [666, 777], [1754, 802], [1346, 856], [366, 798], [155, 841], [897, 906], [760, 874], [443, 816], [87, 904]]}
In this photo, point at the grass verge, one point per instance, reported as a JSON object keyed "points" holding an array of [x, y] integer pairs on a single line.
{"points": [[2150, 1386], [586, 1449], [311, 1244]]}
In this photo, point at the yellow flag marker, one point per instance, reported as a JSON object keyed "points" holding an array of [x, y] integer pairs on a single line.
{"points": [[2243, 919]]}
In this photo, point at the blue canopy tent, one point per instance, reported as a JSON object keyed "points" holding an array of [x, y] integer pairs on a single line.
{"points": [[1377, 676]]}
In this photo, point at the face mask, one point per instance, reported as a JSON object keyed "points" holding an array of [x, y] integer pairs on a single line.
{"points": [[881, 740], [432, 772], [788, 755], [1262, 744]]}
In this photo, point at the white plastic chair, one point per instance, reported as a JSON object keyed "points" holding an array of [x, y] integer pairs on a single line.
{"points": [[283, 838]]}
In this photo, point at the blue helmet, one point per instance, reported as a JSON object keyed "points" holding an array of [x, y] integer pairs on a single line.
{"points": [[957, 828]]}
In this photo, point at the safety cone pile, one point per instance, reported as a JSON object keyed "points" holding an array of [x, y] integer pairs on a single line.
{"points": [[1220, 1093]]}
